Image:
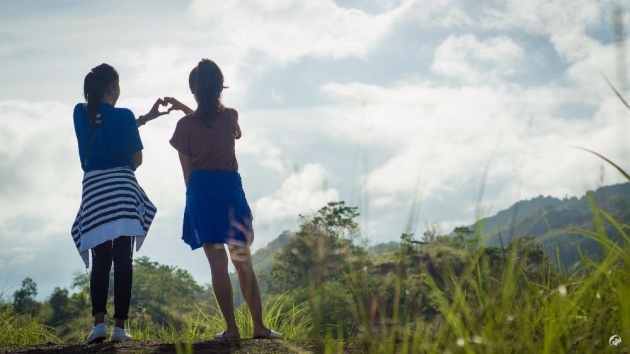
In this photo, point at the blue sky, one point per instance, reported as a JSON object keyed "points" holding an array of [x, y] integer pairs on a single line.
{"points": [[374, 102]]}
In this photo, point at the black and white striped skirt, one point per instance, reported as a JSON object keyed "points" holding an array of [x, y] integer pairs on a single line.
{"points": [[113, 205]]}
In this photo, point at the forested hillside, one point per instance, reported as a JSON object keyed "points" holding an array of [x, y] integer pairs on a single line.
{"points": [[554, 222]]}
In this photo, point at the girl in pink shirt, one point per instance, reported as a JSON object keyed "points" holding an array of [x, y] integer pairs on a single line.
{"points": [[217, 212]]}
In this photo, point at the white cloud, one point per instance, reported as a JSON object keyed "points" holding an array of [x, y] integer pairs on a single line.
{"points": [[445, 138], [286, 30], [268, 154], [303, 192], [441, 14], [471, 60], [155, 70], [39, 158], [540, 16], [39, 191], [565, 22]]}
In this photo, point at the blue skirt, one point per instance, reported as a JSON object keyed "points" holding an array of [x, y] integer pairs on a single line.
{"points": [[216, 209]]}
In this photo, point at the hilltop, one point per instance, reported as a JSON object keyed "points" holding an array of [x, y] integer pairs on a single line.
{"points": [[558, 223]]}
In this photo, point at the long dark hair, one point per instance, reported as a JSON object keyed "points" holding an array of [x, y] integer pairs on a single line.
{"points": [[206, 81], [95, 83]]}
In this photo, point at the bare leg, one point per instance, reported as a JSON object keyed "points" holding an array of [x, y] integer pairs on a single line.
{"points": [[242, 260], [99, 317], [218, 259]]}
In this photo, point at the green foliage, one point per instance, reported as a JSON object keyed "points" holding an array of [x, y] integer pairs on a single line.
{"points": [[162, 296], [321, 251], [445, 293], [335, 219], [322, 263], [432, 232], [282, 313], [164, 293], [60, 303], [382, 248], [22, 329], [24, 299]]}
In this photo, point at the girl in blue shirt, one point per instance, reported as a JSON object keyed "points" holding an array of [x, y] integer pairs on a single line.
{"points": [[115, 212]]}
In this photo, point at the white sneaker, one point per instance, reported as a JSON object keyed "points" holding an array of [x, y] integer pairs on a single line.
{"points": [[98, 334], [120, 335]]}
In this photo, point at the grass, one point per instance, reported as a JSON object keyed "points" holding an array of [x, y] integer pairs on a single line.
{"points": [[480, 310], [513, 314], [525, 312], [280, 313], [22, 329]]}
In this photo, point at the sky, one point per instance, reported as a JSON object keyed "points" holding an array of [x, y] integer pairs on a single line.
{"points": [[418, 112]]}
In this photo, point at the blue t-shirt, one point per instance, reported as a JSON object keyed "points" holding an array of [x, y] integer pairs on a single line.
{"points": [[116, 140]]}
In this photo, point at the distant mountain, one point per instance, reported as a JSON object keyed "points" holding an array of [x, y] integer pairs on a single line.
{"points": [[551, 221], [263, 258]]}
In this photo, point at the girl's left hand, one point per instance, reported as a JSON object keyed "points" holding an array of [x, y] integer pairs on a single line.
{"points": [[155, 110]]}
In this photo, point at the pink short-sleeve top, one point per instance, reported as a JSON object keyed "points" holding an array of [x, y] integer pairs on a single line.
{"points": [[209, 146]]}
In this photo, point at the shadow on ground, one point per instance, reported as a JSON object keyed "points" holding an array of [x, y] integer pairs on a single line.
{"points": [[158, 347], [242, 346]]}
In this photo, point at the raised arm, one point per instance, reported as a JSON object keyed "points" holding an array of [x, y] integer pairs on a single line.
{"points": [[153, 113], [177, 106]]}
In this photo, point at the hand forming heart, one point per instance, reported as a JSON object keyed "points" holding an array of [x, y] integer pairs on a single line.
{"points": [[175, 105], [167, 106], [155, 110], [164, 106]]}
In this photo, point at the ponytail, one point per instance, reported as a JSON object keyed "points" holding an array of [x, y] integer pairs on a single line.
{"points": [[94, 85], [206, 80]]}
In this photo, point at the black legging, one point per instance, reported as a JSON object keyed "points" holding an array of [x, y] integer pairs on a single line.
{"points": [[121, 252]]}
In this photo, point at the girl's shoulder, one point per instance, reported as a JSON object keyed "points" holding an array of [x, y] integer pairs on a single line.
{"points": [[80, 110], [123, 112], [186, 122], [229, 110], [187, 119], [231, 113], [122, 116]]}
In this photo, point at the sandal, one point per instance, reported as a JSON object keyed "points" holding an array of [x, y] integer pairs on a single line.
{"points": [[222, 336], [272, 335]]}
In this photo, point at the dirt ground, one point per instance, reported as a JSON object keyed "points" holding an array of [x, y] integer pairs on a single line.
{"points": [[242, 346]]}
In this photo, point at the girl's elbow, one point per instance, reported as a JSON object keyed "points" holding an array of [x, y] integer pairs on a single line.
{"points": [[137, 159]]}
